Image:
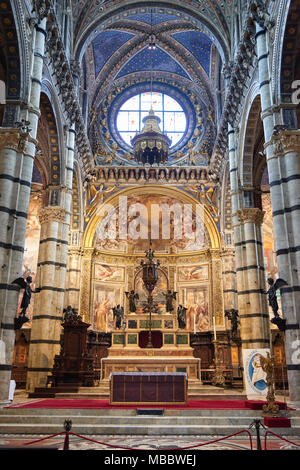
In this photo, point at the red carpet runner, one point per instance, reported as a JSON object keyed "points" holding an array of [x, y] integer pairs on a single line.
{"points": [[104, 404]]}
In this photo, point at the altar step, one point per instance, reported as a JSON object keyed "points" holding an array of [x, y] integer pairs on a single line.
{"points": [[111, 422], [196, 391]]}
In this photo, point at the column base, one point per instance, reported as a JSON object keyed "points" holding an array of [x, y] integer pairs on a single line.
{"points": [[294, 404], [4, 403]]}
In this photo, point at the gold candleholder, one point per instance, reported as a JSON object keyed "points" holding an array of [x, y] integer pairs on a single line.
{"points": [[271, 409], [218, 378]]}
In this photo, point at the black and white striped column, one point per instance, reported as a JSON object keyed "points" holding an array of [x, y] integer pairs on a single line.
{"points": [[51, 280], [75, 254], [17, 152], [47, 313], [229, 279], [252, 300], [283, 161], [250, 281]]}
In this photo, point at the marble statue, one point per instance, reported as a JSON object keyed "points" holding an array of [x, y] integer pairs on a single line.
{"points": [[118, 312], [169, 300], [181, 316], [132, 297]]}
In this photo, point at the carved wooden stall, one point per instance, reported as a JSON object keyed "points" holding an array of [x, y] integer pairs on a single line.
{"points": [[74, 365], [20, 358]]}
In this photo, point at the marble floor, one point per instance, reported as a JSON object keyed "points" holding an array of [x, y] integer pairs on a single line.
{"points": [[143, 443], [150, 443]]}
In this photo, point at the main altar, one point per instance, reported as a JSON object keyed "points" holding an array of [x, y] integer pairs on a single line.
{"points": [[111, 271], [148, 346]]}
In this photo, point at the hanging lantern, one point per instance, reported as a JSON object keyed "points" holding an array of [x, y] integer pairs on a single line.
{"points": [[151, 145]]}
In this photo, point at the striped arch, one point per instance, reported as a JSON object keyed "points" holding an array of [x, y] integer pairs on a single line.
{"points": [[290, 68], [49, 142], [290, 53], [253, 128], [77, 207]]}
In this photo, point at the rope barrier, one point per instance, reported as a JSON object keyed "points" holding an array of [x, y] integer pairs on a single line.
{"points": [[67, 434], [44, 438], [280, 437], [177, 448]]}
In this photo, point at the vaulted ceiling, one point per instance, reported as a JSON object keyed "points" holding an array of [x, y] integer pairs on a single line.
{"points": [[192, 42]]}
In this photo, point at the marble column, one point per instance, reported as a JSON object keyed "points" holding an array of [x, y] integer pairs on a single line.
{"points": [[17, 152], [283, 162], [229, 279], [235, 206], [51, 278], [73, 276], [249, 261], [47, 313], [252, 300]]}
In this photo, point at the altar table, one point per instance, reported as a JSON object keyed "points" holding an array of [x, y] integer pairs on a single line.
{"points": [[146, 388]]}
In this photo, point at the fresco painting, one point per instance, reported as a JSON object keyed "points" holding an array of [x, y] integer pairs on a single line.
{"points": [[196, 300], [149, 223], [31, 251], [106, 273], [193, 273], [105, 298]]}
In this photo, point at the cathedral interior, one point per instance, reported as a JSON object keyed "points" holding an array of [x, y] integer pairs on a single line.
{"points": [[161, 132]]}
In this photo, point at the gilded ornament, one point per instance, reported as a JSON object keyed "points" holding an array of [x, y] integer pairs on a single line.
{"points": [[251, 214], [52, 214]]}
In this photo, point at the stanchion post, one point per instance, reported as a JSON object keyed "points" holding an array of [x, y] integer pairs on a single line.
{"points": [[68, 427], [257, 423]]}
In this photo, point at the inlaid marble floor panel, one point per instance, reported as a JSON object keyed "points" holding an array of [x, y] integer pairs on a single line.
{"points": [[144, 443]]}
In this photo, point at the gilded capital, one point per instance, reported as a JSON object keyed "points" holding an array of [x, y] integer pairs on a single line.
{"points": [[285, 141], [52, 214], [251, 214], [75, 251], [13, 139]]}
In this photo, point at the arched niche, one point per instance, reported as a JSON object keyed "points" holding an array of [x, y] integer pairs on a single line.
{"points": [[176, 194]]}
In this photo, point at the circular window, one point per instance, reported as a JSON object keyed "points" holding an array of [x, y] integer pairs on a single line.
{"points": [[131, 114]]}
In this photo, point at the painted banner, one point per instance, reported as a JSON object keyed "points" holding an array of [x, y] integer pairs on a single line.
{"points": [[255, 377]]}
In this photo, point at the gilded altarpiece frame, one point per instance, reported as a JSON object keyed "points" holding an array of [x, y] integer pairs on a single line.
{"points": [[211, 286], [193, 285]]}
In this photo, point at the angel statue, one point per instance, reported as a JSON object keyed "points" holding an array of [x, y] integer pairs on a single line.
{"points": [[169, 300], [70, 314], [95, 196], [26, 285], [272, 297], [118, 312], [181, 317], [132, 297], [205, 196], [233, 316]]}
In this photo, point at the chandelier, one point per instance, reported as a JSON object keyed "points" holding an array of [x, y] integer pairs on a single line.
{"points": [[151, 145]]}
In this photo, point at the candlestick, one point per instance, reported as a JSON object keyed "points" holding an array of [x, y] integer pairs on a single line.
{"points": [[215, 333]]}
